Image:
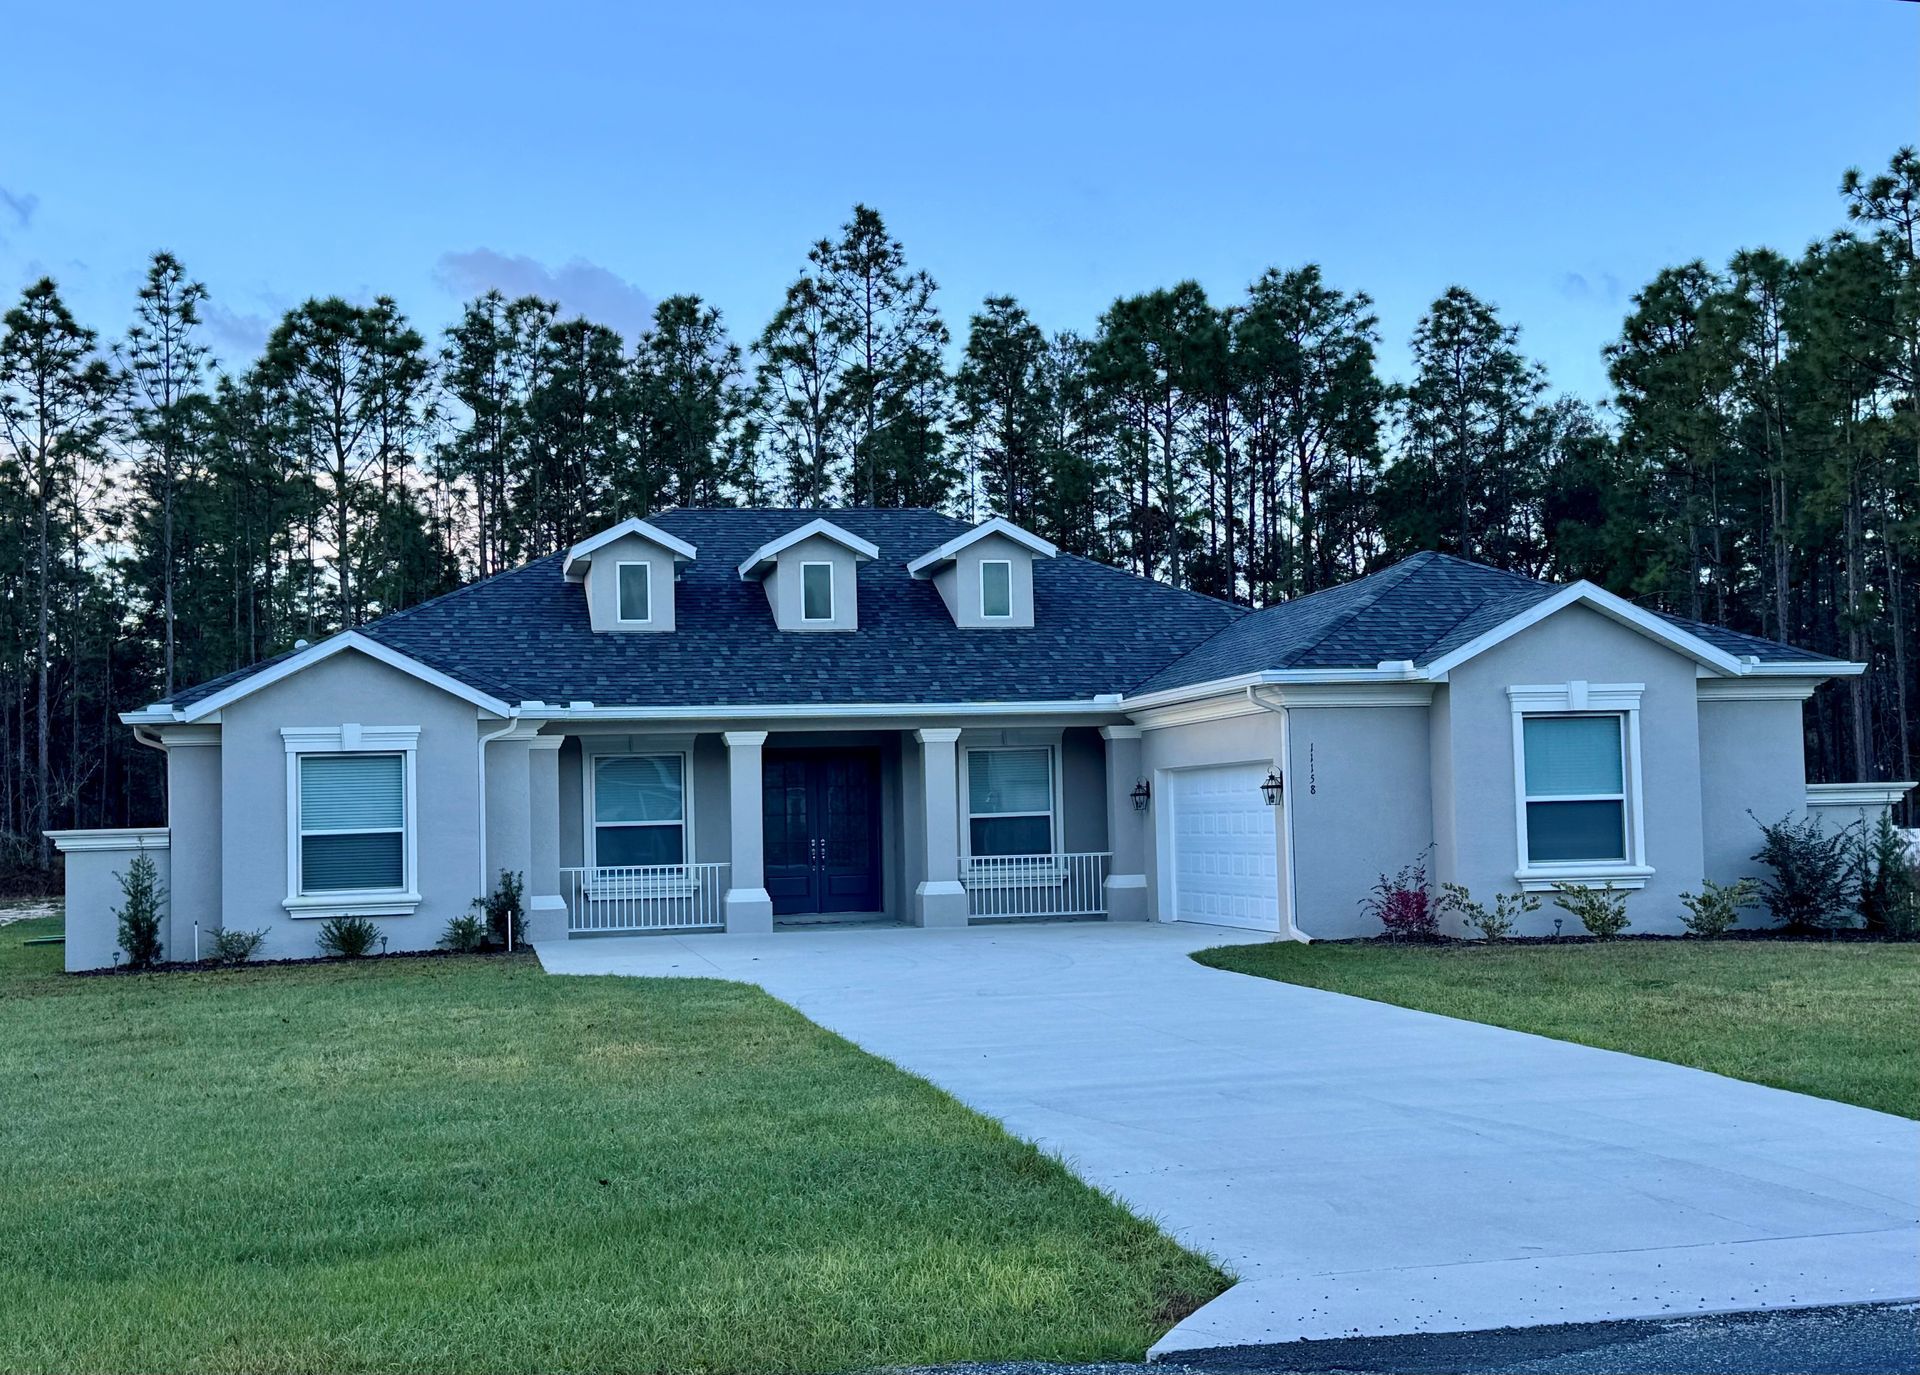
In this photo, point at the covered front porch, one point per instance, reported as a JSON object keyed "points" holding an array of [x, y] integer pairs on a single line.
{"points": [[626, 827]]}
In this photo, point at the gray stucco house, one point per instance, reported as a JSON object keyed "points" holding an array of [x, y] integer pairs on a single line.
{"points": [[736, 719]]}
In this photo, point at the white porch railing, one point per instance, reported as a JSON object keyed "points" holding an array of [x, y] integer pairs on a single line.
{"points": [[649, 897], [1036, 885]]}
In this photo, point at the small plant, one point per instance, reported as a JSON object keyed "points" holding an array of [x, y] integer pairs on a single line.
{"points": [[139, 912], [1602, 910], [1403, 905], [464, 934], [234, 946], [349, 937], [1715, 909], [504, 910], [1494, 923], [1815, 883], [1889, 901]]}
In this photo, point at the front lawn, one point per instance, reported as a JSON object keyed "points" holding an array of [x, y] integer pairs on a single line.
{"points": [[1836, 1020], [466, 1164]]}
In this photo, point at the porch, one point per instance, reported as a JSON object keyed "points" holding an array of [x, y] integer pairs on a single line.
{"points": [[634, 830]]}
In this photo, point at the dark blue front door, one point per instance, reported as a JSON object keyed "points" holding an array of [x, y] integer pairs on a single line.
{"points": [[820, 810]]}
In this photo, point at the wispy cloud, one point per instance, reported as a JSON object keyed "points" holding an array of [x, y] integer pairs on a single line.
{"points": [[19, 206], [244, 332], [580, 287], [1603, 287]]}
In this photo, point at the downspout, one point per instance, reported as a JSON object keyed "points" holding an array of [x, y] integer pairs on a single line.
{"points": [[513, 724], [1292, 932], [140, 737]]}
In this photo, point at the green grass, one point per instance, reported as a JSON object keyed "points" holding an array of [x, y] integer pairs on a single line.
{"points": [[1835, 1020], [469, 1165]]}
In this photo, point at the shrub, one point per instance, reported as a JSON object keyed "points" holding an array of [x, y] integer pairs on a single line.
{"points": [[139, 912], [1816, 876], [350, 937], [1493, 925], [464, 934], [1715, 909], [1403, 905], [1889, 900], [1603, 910], [504, 910], [233, 946]]}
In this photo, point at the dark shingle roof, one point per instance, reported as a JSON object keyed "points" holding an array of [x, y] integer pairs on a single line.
{"points": [[524, 635]]}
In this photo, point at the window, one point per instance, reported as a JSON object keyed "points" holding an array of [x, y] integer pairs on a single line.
{"points": [[635, 592], [816, 591], [1010, 802], [639, 810], [352, 823], [1576, 795], [996, 589]]}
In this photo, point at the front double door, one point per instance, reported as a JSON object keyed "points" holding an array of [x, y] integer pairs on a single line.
{"points": [[821, 814]]}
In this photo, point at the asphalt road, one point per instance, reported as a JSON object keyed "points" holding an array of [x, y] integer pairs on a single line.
{"points": [[1864, 1340]]}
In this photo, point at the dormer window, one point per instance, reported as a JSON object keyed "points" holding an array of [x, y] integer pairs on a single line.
{"points": [[628, 575], [996, 589], [985, 576], [816, 592], [811, 575], [635, 592]]}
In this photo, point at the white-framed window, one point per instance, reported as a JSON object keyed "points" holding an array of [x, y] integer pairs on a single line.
{"points": [[816, 591], [1011, 801], [996, 589], [1577, 785], [351, 820], [633, 592], [639, 809]]}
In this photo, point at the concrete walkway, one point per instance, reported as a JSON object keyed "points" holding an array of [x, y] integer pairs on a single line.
{"points": [[1362, 1169]]}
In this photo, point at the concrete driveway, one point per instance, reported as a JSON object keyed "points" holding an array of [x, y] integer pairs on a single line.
{"points": [[1362, 1169]]}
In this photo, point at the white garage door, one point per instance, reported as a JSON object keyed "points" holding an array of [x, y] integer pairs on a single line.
{"points": [[1224, 868]]}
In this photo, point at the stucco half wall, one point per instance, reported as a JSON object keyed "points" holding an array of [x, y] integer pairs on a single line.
{"points": [[254, 852]]}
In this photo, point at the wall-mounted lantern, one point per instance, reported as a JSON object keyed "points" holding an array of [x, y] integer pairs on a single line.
{"points": [[1274, 788], [1140, 794]]}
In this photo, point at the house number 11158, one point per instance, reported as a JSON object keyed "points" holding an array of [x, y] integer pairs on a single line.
{"points": [[1313, 785]]}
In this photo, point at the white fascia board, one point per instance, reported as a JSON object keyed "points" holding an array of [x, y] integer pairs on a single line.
{"points": [[766, 553], [924, 565], [326, 649], [1857, 794], [1607, 604], [824, 711], [153, 714], [1278, 677], [1805, 668], [574, 567]]}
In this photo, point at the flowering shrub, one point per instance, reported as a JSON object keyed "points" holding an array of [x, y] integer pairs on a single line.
{"points": [[1403, 904]]}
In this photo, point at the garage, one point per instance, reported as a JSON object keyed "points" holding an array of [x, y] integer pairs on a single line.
{"points": [[1225, 869]]}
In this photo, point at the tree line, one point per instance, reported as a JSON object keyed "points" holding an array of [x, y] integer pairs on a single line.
{"points": [[164, 520]]}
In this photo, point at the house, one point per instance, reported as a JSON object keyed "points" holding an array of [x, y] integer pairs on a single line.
{"points": [[738, 719]]}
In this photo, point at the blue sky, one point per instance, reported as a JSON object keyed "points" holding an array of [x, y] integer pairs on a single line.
{"points": [[1549, 156]]}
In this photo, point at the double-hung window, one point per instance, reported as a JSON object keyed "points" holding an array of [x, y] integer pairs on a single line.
{"points": [[352, 824], [1010, 802], [639, 810], [1576, 784]]}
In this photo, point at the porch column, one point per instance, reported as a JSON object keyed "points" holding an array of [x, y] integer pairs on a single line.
{"points": [[546, 906], [749, 909], [939, 900], [1126, 884]]}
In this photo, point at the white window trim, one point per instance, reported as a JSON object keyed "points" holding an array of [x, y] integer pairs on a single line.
{"points": [[1055, 819], [832, 599], [618, 608], [353, 738], [679, 749], [1578, 698], [1007, 564]]}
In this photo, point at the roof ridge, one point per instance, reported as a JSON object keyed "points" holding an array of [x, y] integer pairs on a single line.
{"points": [[1387, 582]]}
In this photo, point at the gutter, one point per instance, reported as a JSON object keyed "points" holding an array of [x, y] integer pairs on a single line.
{"points": [[1292, 932], [513, 724]]}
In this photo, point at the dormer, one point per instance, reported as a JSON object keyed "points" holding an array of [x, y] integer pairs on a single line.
{"points": [[629, 573], [809, 574], [986, 575]]}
